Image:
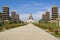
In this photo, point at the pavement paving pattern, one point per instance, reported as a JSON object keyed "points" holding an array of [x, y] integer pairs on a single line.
{"points": [[27, 32]]}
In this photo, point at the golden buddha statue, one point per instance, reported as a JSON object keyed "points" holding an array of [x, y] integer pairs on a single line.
{"points": [[30, 17]]}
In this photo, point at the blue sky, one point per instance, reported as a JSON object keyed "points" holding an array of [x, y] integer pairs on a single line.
{"points": [[26, 7]]}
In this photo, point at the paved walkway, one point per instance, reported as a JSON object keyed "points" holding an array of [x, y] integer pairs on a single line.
{"points": [[27, 32]]}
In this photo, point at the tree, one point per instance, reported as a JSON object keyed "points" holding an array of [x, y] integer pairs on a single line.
{"points": [[0, 17]]}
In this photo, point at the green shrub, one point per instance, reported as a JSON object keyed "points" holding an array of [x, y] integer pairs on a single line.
{"points": [[56, 31]]}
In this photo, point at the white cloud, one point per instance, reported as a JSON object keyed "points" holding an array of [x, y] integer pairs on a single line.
{"points": [[36, 16], [24, 17], [35, 3], [26, 5], [59, 10]]}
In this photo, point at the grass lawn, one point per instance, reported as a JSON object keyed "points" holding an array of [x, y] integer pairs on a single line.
{"points": [[10, 26], [50, 26], [57, 35]]}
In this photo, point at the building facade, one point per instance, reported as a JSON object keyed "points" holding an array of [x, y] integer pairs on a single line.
{"points": [[44, 17], [13, 15], [5, 13], [54, 12], [47, 16], [17, 17]]}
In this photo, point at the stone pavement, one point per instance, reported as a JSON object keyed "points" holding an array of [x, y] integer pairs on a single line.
{"points": [[27, 32]]}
